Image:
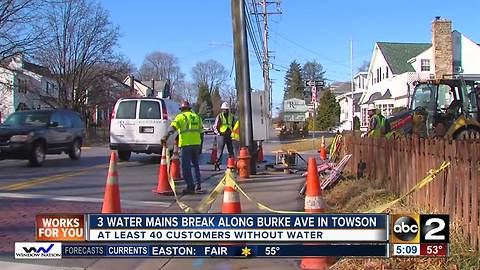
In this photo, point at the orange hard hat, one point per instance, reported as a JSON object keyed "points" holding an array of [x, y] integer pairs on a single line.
{"points": [[185, 105]]}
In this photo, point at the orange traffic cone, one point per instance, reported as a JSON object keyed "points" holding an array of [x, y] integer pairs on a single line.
{"points": [[231, 201], [163, 186], [213, 155], [323, 150], [314, 204], [231, 163], [260, 157], [175, 163], [111, 199]]}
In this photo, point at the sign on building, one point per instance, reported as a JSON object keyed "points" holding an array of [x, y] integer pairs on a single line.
{"points": [[294, 110]]}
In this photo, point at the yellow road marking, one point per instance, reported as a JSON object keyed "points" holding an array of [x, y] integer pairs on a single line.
{"points": [[50, 178]]}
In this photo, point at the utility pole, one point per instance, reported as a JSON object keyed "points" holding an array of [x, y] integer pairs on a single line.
{"points": [[266, 57], [266, 67], [242, 80], [352, 84]]}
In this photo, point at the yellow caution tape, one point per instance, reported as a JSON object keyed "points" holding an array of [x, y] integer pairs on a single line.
{"points": [[229, 180], [232, 183], [429, 178], [205, 204]]}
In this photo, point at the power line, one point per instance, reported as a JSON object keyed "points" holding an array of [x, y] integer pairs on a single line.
{"points": [[253, 39], [311, 51]]}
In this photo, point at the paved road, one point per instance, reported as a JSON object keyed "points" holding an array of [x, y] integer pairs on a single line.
{"points": [[64, 186]]}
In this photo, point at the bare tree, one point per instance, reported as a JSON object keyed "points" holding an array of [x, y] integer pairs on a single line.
{"points": [[162, 66], [21, 26], [229, 94], [80, 43], [186, 91], [210, 73]]}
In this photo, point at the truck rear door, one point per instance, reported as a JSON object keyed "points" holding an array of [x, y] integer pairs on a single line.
{"points": [[151, 125], [124, 124]]}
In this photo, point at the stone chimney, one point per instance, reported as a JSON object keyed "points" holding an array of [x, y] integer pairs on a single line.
{"points": [[442, 47], [132, 84]]}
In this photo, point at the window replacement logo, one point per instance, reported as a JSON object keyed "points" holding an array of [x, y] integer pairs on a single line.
{"points": [[38, 250]]}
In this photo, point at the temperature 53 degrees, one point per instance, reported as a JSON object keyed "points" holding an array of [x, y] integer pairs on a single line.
{"points": [[434, 250]]}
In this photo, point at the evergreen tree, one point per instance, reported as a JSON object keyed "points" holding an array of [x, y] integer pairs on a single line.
{"points": [[216, 101], [205, 110], [204, 101], [312, 70], [294, 83], [328, 112]]}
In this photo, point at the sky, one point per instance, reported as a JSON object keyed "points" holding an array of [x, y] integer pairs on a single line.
{"points": [[321, 30]]}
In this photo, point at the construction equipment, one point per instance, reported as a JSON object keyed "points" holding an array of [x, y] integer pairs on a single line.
{"points": [[440, 108]]}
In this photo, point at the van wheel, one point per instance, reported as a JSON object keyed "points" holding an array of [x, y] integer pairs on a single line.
{"points": [[37, 155], [76, 150], [124, 155]]}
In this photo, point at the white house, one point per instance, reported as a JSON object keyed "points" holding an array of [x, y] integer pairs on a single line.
{"points": [[395, 66], [24, 85], [153, 88], [350, 101]]}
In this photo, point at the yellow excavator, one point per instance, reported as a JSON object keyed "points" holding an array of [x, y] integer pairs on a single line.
{"points": [[445, 107]]}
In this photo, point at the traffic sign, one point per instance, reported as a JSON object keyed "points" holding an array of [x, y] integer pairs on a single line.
{"points": [[318, 83], [314, 94]]}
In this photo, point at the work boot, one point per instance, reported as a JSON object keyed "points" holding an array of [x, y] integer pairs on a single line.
{"points": [[216, 166], [198, 187], [188, 190]]}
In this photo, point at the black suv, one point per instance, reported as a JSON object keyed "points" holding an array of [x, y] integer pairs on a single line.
{"points": [[32, 134]]}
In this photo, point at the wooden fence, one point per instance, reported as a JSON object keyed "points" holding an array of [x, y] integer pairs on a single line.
{"points": [[401, 163]]}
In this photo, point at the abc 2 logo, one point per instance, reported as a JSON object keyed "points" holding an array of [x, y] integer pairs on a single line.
{"points": [[415, 229]]}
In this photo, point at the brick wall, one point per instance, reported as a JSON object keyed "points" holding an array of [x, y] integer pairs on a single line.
{"points": [[442, 47]]}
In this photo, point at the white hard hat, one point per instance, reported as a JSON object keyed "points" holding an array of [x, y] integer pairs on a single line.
{"points": [[225, 106], [371, 107]]}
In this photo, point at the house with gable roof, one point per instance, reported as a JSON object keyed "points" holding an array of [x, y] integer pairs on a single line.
{"points": [[395, 66]]}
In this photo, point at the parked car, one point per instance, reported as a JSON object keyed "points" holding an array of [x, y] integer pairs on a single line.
{"points": [[33, 134], [138, 125], [208, 125]]}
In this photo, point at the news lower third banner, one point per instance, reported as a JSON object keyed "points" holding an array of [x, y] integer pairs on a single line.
{"points": [[151, 250], [213, 228]]}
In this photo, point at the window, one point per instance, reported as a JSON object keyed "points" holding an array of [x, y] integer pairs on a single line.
{"points": [[386, 73], [68, 121], [149, 110], [77, 121], [445, 96], [390, 109], [28, 118], [422, 96], [364, 116], [425, 64], [380, 73], [127, 110], [58, 118], [384, 110], [22, 86]]}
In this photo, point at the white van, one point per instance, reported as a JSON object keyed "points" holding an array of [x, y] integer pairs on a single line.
{"points": [[138, 125]]}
